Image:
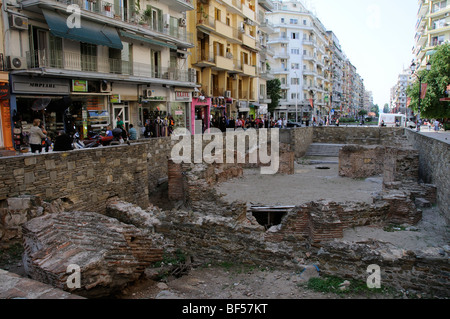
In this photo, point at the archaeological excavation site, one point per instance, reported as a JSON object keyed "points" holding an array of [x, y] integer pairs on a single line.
{"points": [[132, 222]]}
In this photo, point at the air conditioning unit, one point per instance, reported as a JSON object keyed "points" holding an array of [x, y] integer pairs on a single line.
{"points": [[227, 94], [105, 86], [147, 93], [192, 75], [182, 55], [248, 21], [18, 22], [16, 63], [182, 22]]}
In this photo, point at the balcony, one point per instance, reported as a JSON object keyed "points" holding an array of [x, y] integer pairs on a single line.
{"points": [[114, 14], [223, 63], [249, 70], [180, 5], [248, 41], [98, 67], [203, 58], [278, 40]]}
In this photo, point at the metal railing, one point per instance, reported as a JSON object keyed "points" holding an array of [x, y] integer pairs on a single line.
{"points": [[121, 13], [89, 63]]}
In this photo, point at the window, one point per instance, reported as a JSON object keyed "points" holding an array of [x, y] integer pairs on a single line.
{"points": [[293, 21], [295, 66], [282, 20], [305, 22], [295, 81], [295, 51], [88, 57], [294, 35], [217, 14]]}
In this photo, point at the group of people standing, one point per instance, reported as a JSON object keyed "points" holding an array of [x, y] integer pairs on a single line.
{"points": [[224, 123], [160, 127]]}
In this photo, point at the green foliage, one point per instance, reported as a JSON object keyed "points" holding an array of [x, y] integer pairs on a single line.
{"points": [[330, 284], [438, 78], [274, 92]]}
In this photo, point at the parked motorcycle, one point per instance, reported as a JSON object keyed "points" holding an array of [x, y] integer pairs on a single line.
{"points": [[79, 144]]}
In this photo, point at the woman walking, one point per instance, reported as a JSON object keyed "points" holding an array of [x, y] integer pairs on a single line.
{"points": [[36, 136]]}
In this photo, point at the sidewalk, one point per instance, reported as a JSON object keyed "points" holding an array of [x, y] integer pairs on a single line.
{"points": [[443, 136]]}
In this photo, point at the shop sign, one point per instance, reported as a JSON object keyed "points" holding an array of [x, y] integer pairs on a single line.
{"points": [[179, 112], [115, 98], [39, 85], [4, 91], [179, 95], [79, 85]]}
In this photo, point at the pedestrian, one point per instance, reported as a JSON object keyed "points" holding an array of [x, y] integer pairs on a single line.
{"points": [[109, 131], [436, 125], [62, 142], [132, 133], [36, 136], [120, 124]]}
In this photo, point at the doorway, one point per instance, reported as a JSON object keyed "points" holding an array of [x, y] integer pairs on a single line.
{"points": [[122, 111]]}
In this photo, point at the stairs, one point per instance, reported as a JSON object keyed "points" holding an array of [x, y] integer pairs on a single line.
{"points": [[324, 153], [324, 150]]}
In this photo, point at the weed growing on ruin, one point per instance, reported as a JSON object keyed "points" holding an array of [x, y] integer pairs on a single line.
{"points": [[11, 254], [334, 284], [172, 265], [393, 228]]}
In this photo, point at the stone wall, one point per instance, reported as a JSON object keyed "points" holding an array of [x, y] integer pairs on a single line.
{"points": [[421, 271], [357, 161], [300, 138], [434, 166], [357, 135]]}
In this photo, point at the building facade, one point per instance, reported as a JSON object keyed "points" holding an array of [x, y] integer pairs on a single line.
{"points": [[432, 29], [302, 62], [78, 65], [231, 59]]}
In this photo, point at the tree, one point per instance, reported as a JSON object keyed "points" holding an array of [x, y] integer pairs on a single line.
{"points": [[438, 78], [375, 109], [274, 92], [386, 108]]}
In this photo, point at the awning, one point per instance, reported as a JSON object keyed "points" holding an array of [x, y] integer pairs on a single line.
{"points": [[146, 39], [430, 52], [89, 32]]}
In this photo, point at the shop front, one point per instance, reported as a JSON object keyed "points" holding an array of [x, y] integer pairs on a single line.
{"points": [[218, 111], [47, 99], [6, 141], [154, 112], [200, 113]]}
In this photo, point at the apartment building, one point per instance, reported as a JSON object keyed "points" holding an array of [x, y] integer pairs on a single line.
{"points": [[302, 62], [78, 64], [337, 72], [399, 97], [231, 59], [432, 29]]}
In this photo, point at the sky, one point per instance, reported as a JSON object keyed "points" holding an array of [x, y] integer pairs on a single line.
{"points": [[376, 35]]}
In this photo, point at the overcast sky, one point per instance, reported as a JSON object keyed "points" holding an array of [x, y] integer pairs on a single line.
{"points": [[377, 36]]}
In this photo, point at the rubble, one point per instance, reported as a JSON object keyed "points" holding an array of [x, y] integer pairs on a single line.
{"points": [[110, 254]]}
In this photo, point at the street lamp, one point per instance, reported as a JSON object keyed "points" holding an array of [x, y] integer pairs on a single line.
{"points": [[413, 70]]}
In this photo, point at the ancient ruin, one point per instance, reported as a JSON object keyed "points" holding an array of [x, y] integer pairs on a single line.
{"points": [[118, 239]]}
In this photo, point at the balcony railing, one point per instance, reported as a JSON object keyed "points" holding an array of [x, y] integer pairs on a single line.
{"points": [[88, 63], [121, 13]]}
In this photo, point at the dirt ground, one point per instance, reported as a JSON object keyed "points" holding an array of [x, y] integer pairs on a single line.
{"points": [[308, 184]]}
